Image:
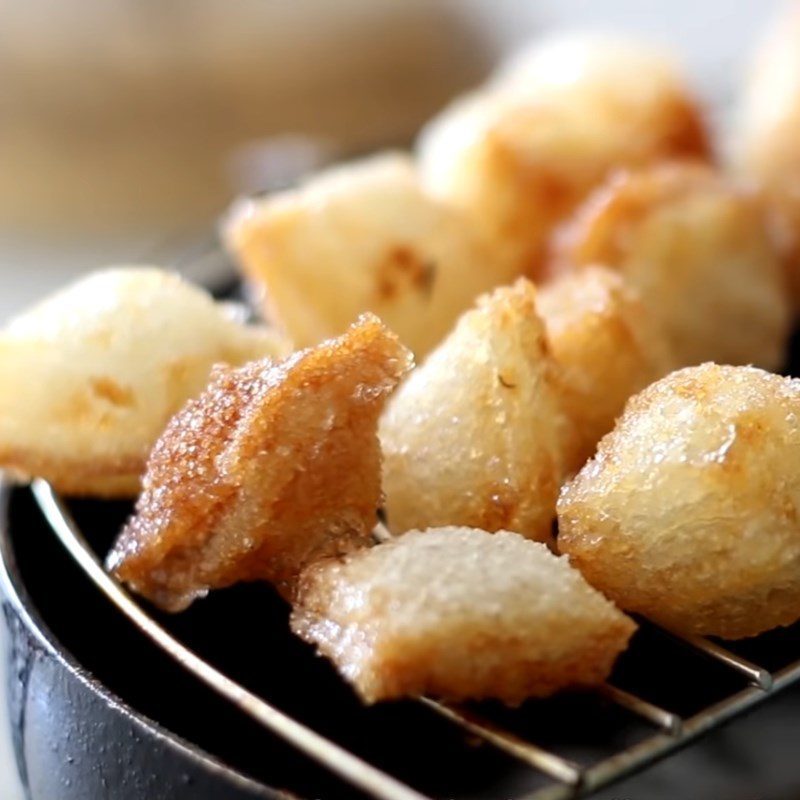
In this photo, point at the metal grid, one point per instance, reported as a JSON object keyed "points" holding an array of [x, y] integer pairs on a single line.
{"points": [[669, 730]]}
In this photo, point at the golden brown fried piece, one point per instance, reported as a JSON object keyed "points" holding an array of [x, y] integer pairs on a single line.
{"points": [[768, 146], [690, 512], [699, 251], [520, 154], [459, 613], [91, 375], [607, 345], [273, 466], [362, 237], [476, 435]]}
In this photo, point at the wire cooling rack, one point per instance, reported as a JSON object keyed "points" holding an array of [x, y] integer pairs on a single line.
{"points": [[668, 730]]}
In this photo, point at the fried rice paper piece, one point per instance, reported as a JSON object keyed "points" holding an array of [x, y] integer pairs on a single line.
{"points": [[608, 345], [518, 155], [273, 466], [363, 236], [690, 512], [462, 614], [90, 376], [698, 248], [476, 435]]}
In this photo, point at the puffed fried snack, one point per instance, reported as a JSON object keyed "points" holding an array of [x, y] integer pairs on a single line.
{"points": [[698, 249], [608, 347], [459, 613], [362, 237], [476, 435], [767, 148], [273, 466], [690, 512], [91, 375], [519, 154]]}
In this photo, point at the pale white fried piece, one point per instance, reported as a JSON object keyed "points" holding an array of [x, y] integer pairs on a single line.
{"points": [[459, 613], [698, 249], [272, 467], [362, 237], [476, 435], [608, 347], [521, 153], [690, 512], [767, 146], [91, 375]]}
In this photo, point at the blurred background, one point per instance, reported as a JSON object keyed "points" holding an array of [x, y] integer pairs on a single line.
{"points": [[127, 126]]}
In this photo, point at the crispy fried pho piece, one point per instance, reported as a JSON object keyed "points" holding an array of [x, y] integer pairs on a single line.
{"points": [[608, 347], [271, 467], [699, 250], [476, 435], [459, 613], [91, 375], [361, 237], [690, 512], [518, 155]]}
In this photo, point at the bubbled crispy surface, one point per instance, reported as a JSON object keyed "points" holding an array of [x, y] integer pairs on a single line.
{"points": [[476, 435], [364, 236], [459, 613], [689, 512], [92, 374], [272, 466], [608, 347], [699, 250]]}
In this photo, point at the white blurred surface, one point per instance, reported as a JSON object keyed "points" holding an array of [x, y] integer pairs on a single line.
{"points": [[713, 39]]}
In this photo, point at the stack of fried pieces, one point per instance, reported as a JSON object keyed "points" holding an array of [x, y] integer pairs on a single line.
{"points": [[586, 293]]}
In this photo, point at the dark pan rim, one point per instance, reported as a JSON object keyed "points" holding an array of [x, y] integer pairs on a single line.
{"points": [[15, 593]]}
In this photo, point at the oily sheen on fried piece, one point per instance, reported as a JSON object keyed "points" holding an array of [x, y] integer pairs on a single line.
{"points": [[459, 613], [476, 436], [690, 512], [274, 465], [90, 376]]}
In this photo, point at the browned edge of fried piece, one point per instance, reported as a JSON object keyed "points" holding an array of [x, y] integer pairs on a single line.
{"points": [[273, 466]]}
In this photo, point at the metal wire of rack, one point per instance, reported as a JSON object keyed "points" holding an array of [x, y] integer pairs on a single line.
{"points": [[669, 731]]}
